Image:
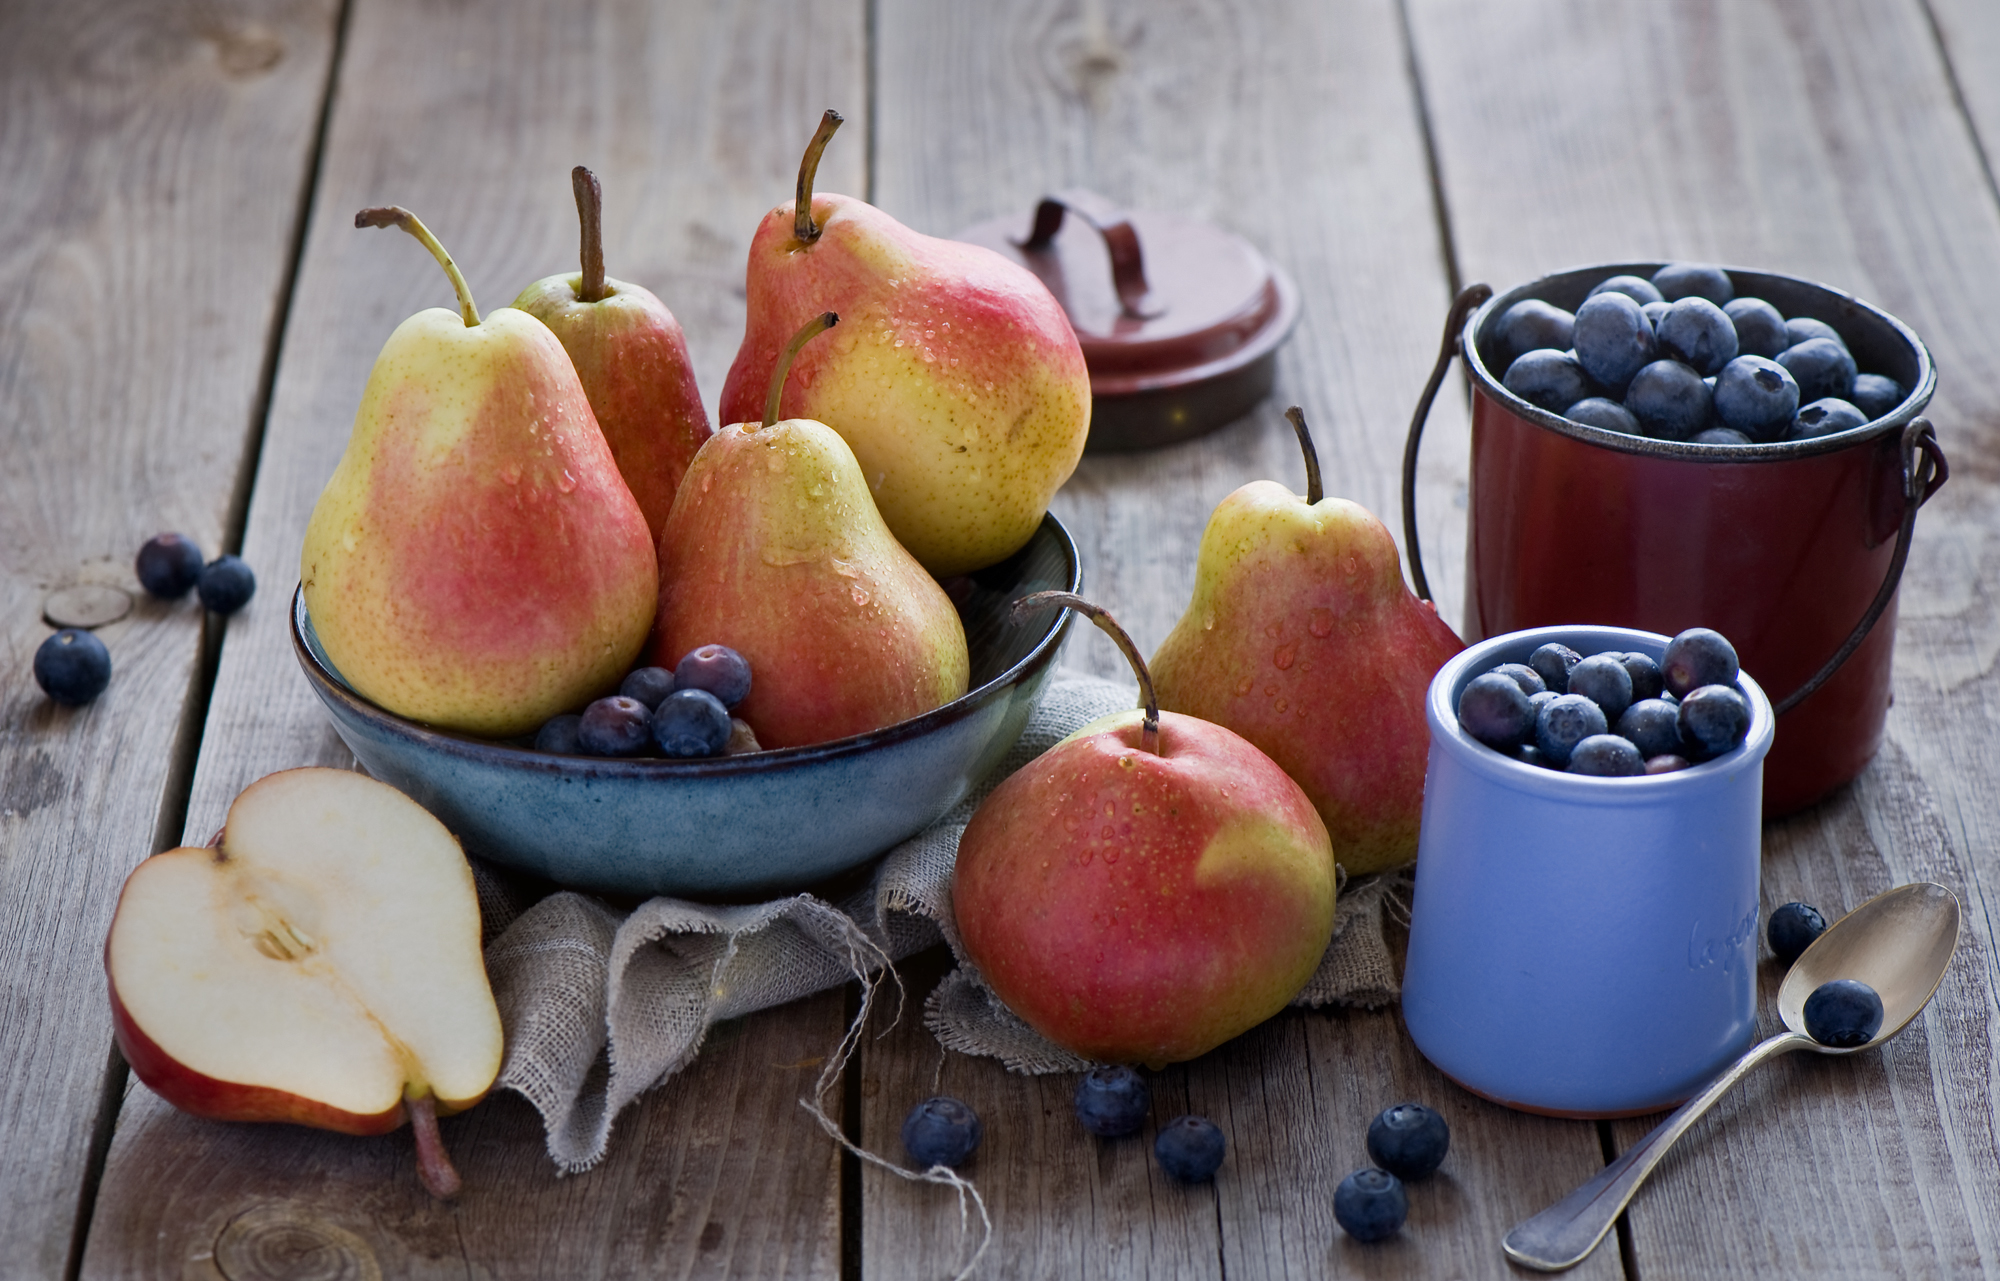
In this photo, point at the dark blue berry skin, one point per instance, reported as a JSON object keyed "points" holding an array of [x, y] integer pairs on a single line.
{"points": [[1647, 681], [1804, 329], [1607, 756], [1760, 329], [1698, 656], [1530, 325], [1697, 333], [1552, 663], [614, 726], [1825, 417], [559, 734], [1370, 1205], [1653, 311], [1757, 397], [1721, 436], [1112, 1101], [691, 722], [168, 566], [1550, 380], [1821, 367], [1606, 415], [1637, 288], [1875, 395], [1564, 722], [941, 1131], [1190, 1148], [226, 585], [1653, 726], [1526, 677], [1792, 929], [1613, 340], [1494, 709], [716, 668], [1678, 280], [647, 684], [1843, 1014], [1408, 1140], [1603, 680], [1670, 400], [1715, 717], [72, 666]]}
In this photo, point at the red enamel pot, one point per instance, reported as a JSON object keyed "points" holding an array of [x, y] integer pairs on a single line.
{"points": [[1792, 550]]}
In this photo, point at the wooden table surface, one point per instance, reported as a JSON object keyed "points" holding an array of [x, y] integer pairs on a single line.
{"points": [[187, 316]]}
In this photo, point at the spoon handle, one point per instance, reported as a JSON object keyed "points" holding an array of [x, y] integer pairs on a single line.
{"points": [[1565, 1233]]}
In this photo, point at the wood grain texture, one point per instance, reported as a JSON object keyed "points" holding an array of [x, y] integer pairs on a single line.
{"points": [[153, 161], [1823, 140]]}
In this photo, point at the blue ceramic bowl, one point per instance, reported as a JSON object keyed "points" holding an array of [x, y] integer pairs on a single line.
{"points": [[757, 824], [1582, 946]]}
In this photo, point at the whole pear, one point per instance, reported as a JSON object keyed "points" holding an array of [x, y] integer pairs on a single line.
{"points": [[632, 359], [955, 376], [1146, 889], [775, 549], [475, 561], [1302, 637]]}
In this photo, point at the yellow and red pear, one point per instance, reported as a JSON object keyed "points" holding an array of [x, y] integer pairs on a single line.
{"points": [[475, 561]]}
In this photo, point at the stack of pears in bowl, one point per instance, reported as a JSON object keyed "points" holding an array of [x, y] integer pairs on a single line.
{"points": [[533, 503]]}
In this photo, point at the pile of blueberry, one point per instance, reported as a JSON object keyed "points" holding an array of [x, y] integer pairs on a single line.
{"points": [[1407, 1142], [1612, 714], [1112, 1102], [680, 713], [1681, 357], [1842, 1013]]}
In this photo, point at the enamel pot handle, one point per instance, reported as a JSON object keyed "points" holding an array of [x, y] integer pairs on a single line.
{"points": [[1454, 328]]}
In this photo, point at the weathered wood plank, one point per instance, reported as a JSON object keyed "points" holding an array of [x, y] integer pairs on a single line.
{"points": [[692, 117], [1969, 31], [1825, 141], [153, 162]]}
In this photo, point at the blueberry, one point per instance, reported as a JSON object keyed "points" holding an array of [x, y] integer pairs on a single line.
{"points": [[1804, 329], [1607, 756], [1647, 680], [1613, 339], [716, 668], [1824, 417], [1669, 400], [1653, 726], [1716, 717], [1697, 333], [1875, 395], [1760, 330], [1721, 436], [1697, 657], [1494, 709], [1678, 280], [1552, 663], [1821, 367], [1550, 380], [226, 585], [614, 726], [648, 684], [1666, 764], [1637, 288], [1606, 415], [1757, 397], [1530, 325], [1843, 1014], [1370, 1204], [691, 722], [1521, 674], [72, 666], [1791, 930], [1564, 722], [941, 1131], [1189, 1148], [1603, 680], [1408, 1140], [1653, 311], [1111, 1101], [559, 734], [168, 566]]}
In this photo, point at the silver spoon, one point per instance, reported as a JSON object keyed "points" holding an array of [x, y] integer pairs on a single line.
{"points": [[1898, 943]]}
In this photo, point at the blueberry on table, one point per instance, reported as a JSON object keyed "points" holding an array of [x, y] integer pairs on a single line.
{"points": [[1526, 677], [1876, 395], [941, 1131], [1551, 380], [1565, 721], [691, 722], [226, 585], [1844, 1013], [1653, 726], [1697, 333], [559, 734], [1605, 415], [1792, 929], [1531, 324], [1607, 756], [1112, 1101], [1647, 680], [168, 566], [1678, 280], [72, 666], [1408, 1140], [1637, 288], [1603, 680], [716, 668], [1670, 400], [1821, 367], [1189, 1148], [1757, 397], [1698, 656], [614, 726], [1760, 329], [1804, 329], [1370, 1204], [1825, 417], [647, 684], [1613, 339], [1715, 717]]}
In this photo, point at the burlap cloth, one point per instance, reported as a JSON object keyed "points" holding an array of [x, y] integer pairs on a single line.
{"points": [[600, 1004]]}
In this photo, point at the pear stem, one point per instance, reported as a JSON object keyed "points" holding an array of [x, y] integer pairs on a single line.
{"points": [[803, 226], [434, 1168], [590, 213], [1314, 489], [812, 329], [397, 216], [1149, 727]]}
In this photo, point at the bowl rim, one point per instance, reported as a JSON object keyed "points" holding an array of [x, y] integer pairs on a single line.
{"points": [[329, 684]]}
